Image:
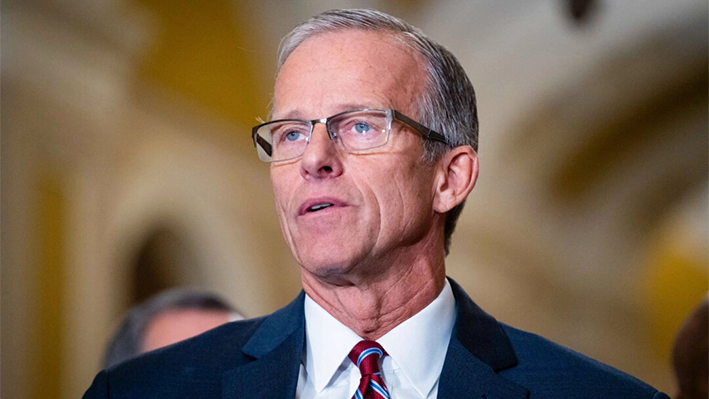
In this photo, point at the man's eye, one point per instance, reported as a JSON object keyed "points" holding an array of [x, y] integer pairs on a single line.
{"points": [[292, 136], [362, 127]]}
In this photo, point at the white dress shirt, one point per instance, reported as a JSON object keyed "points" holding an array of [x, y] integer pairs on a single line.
{"points": [[417, 349]]}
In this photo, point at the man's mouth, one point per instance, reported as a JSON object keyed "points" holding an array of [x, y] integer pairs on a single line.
{"points": [[318, 207], [318, 204]]}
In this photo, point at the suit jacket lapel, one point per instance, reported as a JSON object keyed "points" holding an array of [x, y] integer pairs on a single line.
{"points": [[277, 348], [478, 350]]}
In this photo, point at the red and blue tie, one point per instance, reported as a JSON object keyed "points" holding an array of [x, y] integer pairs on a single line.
{"points": [[365, 355]]}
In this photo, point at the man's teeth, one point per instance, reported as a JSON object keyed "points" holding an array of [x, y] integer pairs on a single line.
{"points": [[318, 207]]}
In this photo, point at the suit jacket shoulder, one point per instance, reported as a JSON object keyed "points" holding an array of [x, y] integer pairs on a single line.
{"points": [[215, 364], [513, 363], [544, 366]]}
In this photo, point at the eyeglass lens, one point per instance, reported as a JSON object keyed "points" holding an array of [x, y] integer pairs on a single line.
{"points": [[358, 130]]}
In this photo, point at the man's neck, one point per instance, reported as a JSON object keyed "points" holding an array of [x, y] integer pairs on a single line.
{"points": [[371, 308]]}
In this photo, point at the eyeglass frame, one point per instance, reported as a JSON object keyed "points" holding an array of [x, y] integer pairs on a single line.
{"points": [[391, 113]]}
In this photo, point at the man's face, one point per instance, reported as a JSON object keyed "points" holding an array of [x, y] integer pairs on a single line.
{"points": [[380, 202]]}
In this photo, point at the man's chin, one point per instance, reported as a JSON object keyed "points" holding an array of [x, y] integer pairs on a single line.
{"points": [[330, 271]]}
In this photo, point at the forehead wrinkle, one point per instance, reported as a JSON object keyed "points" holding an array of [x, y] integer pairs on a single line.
{"points": [[297, 114]]}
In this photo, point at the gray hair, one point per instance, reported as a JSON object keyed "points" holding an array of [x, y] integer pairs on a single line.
{"points": [[127, 342], [447, 105]]}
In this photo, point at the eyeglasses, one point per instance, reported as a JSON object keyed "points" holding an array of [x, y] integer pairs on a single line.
{"points": [[357, 130]]}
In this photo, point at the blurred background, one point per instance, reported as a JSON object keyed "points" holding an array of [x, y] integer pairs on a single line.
{"points": [[127, 168]]}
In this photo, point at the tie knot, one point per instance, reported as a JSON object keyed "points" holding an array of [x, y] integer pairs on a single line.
{"points": [[365, 355]]}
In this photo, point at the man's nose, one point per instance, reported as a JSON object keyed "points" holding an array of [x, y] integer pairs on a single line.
{"points": [[322, 156]]}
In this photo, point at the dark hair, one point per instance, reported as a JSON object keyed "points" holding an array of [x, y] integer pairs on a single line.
{"points": [[690, 353], [447, 105], [127, 342]]}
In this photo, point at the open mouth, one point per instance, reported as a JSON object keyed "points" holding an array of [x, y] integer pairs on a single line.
{"points": [[318, 207]]}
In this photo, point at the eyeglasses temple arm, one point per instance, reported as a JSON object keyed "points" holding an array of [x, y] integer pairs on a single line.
{"points": [[258, 140], [426, 132]]}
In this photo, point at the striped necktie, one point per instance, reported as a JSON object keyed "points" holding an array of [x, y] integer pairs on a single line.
{"points": [[365, 355]]}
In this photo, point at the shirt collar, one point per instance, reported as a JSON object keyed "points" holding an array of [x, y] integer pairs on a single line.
{"points": [[328, 342], [417, 346]]}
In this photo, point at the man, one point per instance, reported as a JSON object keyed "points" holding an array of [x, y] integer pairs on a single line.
{"points": [[690, 355], [164, 319], [372, 147]]}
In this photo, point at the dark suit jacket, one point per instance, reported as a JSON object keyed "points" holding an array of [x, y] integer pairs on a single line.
{"points": [[260, 358]]}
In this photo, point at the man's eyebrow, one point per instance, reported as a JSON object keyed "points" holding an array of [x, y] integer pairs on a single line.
{"points": [[353, 106], [297, 114]]}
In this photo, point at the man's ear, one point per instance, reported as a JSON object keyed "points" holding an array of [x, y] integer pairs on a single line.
{"points": [[456, 177]]}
